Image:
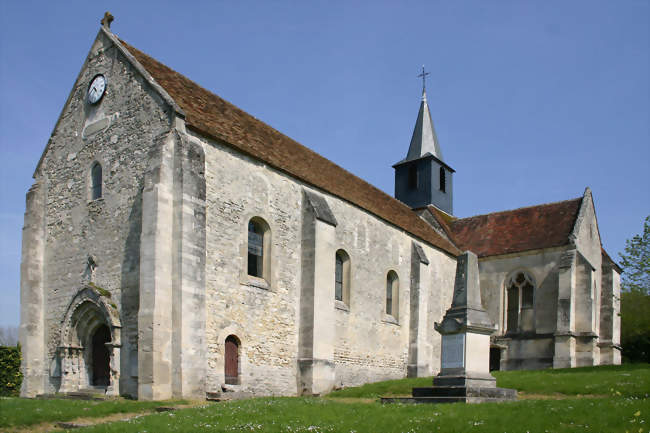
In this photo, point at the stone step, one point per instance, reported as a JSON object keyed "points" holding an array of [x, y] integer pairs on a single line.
{"points": [[438, 400], [83, 396], [89, 393], [462, 391], [464, 381], [430, 400], [440, 391], [408, 400], [228, 395]]}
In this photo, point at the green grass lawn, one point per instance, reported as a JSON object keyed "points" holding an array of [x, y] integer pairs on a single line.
{"points": [[622, 405], [23, 412], [311, 415], [630, 380]]}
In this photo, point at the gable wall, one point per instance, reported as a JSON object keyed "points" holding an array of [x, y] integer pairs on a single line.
{"points": [[588, 285], [120, 132], [588, 244], [366, 346]]}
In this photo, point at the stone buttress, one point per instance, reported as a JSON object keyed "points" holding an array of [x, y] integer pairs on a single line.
{"points": [[316, 337]]}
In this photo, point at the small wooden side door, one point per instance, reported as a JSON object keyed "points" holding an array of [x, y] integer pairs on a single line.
{"points": [[232, 361]]}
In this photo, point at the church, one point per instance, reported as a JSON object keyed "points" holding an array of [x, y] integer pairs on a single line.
{"points": [[176, 246]]}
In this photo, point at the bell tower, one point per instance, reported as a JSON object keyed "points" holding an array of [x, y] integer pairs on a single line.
{"points": [[423, 178]]}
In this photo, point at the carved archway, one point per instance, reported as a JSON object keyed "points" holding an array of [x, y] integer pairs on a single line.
{"points": [[90, 312]]}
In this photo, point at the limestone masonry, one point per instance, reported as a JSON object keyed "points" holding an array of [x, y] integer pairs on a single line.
{"points": [[175, 246]]}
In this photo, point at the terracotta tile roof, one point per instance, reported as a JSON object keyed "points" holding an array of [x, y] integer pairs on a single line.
{"points": [[211, 116], [529, 228]]}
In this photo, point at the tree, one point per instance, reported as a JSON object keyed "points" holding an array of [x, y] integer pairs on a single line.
{"points": [[635, 297], [636, 262]]}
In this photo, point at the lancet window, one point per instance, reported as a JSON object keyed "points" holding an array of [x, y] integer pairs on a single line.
{"points": [[342, 277], [392, 294], [96, 181]]}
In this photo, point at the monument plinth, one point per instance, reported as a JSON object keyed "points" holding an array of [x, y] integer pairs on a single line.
{"points": [[465, 362]]}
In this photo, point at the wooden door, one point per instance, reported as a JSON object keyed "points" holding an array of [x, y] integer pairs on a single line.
{"points": [[232, 360]]}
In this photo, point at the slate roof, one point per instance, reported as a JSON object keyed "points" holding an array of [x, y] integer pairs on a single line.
{"points": [[512, 231], [424, 139], [213, 117]]}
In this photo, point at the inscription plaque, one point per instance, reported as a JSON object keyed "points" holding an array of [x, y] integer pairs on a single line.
{"points": [[453, 351]]}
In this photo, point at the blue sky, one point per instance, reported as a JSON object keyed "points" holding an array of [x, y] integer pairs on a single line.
{"points": [[532, 101]]}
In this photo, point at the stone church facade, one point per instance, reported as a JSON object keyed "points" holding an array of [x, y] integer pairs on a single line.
{"points": [[174, 246]]}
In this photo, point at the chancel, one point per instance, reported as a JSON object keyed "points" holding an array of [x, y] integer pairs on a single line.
{"points": [[175, 246]]}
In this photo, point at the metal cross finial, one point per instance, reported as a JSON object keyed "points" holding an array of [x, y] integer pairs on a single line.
{"points": [[424, 77]]}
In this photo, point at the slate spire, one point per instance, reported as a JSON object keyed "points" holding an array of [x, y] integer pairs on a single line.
{"points": [[424, 139]]}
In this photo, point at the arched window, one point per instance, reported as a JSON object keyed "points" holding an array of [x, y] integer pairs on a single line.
{"points": [[443, 180], [392, 294], [342, 277], [96, 181], [231, 361], [413, 177], [259, 241], [520, 288]]}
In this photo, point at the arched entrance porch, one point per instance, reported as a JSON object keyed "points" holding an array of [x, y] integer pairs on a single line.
{"points": [[90, 344]]}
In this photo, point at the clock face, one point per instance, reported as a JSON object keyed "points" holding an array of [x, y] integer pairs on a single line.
{"points": [[96, 89]]}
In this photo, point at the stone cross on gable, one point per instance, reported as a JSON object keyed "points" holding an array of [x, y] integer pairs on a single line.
{"points": [[107, 20]]}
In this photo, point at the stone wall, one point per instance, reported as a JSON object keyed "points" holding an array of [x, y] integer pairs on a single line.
{"points": [[263, 315], [368, 344]]}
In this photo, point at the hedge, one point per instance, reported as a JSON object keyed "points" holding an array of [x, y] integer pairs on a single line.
{"points": [[10, 375]]}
